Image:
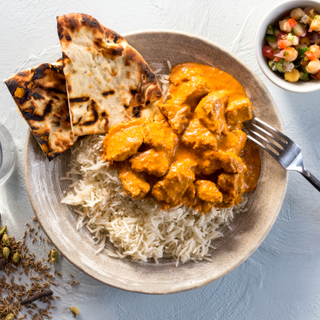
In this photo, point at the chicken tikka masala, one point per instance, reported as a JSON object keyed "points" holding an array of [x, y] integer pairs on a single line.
{"points": [[198, 154]]}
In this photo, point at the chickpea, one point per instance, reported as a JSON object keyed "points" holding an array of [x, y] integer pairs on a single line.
{"points": [[285, 26], [313, 66], [316, 49], [315, 24], [297, 14], [295, 41], [305, 40], [292, 76], [290, 54]]}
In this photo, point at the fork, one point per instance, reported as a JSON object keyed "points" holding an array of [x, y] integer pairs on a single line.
{"points": [[285, 151]]}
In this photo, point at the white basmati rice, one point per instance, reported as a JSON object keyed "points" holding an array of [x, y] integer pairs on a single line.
{"points": [[137, 228]]}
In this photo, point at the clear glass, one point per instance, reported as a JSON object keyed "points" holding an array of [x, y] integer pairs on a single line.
{"points": [[7, 154]]}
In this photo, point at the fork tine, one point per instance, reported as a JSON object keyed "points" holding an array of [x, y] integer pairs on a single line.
{"points": [[266, 141], [272, 136], [272, 129], [263, 147]]}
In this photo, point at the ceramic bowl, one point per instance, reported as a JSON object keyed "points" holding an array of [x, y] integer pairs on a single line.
{"points": [[246, 232], [271, 17]]}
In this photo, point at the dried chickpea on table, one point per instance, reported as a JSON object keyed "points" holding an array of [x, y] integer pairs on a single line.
{"points": [[197, 154], [293, 45]]}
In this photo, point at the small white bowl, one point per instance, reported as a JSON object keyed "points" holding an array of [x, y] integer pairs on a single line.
{"points": [[272, 16]]}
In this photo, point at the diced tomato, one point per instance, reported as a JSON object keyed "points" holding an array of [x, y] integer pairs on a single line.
{"points": [[311, 55], [282, 36], [276, 59], [292, 22], [268, 52], [282, 44]]}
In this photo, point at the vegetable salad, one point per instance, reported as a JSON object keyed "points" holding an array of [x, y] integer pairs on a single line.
{"points": [[293, 45]]}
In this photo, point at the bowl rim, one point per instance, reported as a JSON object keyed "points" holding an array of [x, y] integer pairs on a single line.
{"points": [[274, 78], [186, 286]]}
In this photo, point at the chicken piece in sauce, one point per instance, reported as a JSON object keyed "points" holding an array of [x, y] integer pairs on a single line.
{"points": [[190, 92], [178, 116], [207, 191], [215, 160], [160, 136], [179, 106], [175, 183], [234, 141], [151, 161], [232, 188], [198, 137], [134, 184], [123, 140], [210, 111], [239, 110]]}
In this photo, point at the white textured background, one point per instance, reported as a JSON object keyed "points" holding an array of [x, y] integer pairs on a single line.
{"points": [[281, 280]]}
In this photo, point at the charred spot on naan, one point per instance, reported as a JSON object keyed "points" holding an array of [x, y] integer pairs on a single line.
{"points": [[41, 98], [74, 21]]}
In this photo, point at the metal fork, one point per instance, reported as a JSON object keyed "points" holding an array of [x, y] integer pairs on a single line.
{"points": [[285, 151]]}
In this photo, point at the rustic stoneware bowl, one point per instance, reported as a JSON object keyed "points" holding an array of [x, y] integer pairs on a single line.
{"points": [[247, 230]]}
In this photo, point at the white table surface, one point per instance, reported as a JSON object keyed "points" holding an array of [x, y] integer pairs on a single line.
{"points": [[281, 280]]}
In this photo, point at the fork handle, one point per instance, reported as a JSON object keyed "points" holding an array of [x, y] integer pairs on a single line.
{"points": [[312, 179]]}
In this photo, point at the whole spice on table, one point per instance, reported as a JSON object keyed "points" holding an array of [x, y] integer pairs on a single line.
{"points": [[54, 256], [75, 311], [10, 316], [2, 231], [16, 257], [6, 240], [37, 280], [39, 295], [6, 252]]}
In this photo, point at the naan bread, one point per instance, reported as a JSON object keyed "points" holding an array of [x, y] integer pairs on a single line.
{"points": [[107, 80], [41, 98]]}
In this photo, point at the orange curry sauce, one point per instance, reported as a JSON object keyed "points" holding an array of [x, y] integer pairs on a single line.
{"points": [[198, 155]]}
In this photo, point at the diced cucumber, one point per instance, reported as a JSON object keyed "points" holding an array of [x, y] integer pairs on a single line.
{"points": [[290, 37], [271, 38], [304, 76], [302, 51], [276, 31], [270, 29], [280, 66], [273, 44], [272, 65]]}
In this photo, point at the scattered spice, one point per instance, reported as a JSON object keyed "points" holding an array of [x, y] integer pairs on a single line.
{"points": [[12, 293], [6, 240], [54, 255], [16, 258], [2, 231], [10, 316], [39, 295], [6, 252], [75, 311]]}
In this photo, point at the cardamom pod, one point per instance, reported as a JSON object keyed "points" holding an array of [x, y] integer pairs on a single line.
{"points": [[6, 252], [75, 311], [2, 231], [10, 316], [6, 240], [16, 257], [54, 256]]}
